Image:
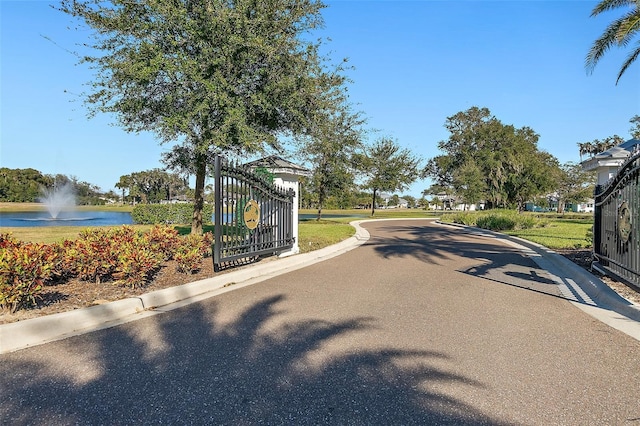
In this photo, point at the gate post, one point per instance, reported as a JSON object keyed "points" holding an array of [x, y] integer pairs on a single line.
{"points": [[287, 176]]}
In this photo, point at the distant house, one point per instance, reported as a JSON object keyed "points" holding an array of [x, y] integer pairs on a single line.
{"points": [[451, 202]]}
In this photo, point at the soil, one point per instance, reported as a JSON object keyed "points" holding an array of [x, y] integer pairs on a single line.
{"points": [[76, 294]]}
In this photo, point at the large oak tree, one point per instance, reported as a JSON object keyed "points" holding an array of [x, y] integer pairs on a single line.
{"points": [[213, 75], [486, 159]]}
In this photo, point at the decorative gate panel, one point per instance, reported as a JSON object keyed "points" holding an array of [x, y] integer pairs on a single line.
{"points": [[252, 216], [616, 242]]}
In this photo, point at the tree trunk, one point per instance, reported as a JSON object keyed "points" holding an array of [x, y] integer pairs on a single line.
{"points": [[320, 203], [201, 174], [373, 204]]}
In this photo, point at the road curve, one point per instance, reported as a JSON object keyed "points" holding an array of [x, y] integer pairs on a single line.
{"points": [[423, 324]]}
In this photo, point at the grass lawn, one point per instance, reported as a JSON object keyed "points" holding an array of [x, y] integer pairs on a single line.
{"points": [[559, 234], [314, 235]]}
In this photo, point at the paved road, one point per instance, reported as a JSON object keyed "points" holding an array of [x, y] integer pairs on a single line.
{"points": [[423, 324]]}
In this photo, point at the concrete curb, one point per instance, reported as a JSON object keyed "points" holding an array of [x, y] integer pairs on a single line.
{"points": [[36, 331]]}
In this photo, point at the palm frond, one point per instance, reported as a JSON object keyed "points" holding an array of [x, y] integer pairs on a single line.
{"points": [[607, 5], [630, 59], [602, 45], [619, 33]]}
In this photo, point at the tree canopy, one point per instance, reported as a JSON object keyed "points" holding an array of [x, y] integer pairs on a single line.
{"points": [[387, 167], [485, 159], [29, 185], [329, 148], [213, 75], [600, 145]]}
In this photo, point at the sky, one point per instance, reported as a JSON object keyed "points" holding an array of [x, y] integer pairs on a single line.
{"points": [[415, 64]]}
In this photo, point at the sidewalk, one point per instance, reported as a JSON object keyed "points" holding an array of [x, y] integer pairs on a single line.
{"points": [[583, 289]]}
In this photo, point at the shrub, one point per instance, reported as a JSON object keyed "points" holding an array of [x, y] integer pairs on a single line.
{"points": [[98, 255], [191, 252], [24, 270], [496, 222], [94, 255], [168, 213], [136, 263], [164, 240], [466, 218]]}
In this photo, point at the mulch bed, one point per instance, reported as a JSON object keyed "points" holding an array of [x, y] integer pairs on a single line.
{"points": [[77, 294]]}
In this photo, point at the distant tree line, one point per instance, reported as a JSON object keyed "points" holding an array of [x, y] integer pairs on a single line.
{"points": [[27, 186], [153, 186]]}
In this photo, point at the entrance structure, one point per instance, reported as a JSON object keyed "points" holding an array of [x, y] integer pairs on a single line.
{"points": [[256, 210], [616, 230]]}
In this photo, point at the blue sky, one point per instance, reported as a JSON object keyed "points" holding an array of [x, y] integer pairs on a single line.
{"points": [[416, 63]]}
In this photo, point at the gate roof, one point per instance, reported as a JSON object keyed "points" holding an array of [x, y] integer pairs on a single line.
{"points": [[613, 156], [276, 164]]}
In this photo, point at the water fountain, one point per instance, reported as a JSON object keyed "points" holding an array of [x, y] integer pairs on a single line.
{"points": [[58, 199], [60, 203]]}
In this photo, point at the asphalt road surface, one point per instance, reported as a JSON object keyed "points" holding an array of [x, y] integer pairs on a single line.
{"points": [[423, 324]]}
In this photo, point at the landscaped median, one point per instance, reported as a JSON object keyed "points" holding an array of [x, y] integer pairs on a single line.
{"points": [[120, 256]]}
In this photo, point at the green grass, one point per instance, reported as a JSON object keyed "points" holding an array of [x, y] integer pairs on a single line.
{"points": [[314, 235], [54, 234], [559, 234]]}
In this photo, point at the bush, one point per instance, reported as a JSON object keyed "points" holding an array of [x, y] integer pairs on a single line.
{"points": [[136, 263], [467, 218], [498, 221], [191, 252], [150, 214], [164, 240], [24, 270], [98, 255]]}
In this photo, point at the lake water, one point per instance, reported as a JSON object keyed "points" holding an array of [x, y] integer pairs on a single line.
{"points": [[74, 218], [95, 218]]}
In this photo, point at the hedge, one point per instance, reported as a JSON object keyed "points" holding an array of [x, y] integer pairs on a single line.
{"points": [[151, 214]]}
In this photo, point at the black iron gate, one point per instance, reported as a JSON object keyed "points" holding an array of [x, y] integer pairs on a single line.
{"points": [[252, 216], [616, 239]]}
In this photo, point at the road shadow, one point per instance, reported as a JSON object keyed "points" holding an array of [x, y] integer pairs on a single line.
{"points": [[491, 259], [192, 366]]}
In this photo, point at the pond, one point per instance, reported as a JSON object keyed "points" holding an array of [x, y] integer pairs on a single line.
{"points": [[99, 218], [70, 218]]}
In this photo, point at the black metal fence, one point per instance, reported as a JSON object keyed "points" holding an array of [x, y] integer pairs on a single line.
{"points": [[616, 243], [252, 216]]}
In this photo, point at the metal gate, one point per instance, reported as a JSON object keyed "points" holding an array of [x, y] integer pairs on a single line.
{"points": [[252, 216], [616, 239]]}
